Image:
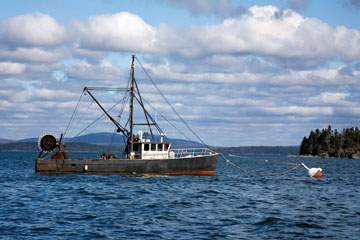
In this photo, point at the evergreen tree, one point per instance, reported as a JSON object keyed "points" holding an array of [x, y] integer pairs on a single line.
{"points": [[305, 148], [332, 142]]}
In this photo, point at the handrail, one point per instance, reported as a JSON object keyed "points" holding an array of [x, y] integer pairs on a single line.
{"points": [[192, 152]]}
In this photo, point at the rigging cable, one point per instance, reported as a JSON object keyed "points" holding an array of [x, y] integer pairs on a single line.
{"points": [[147, 115], [126, 96], [81, 118], [72, 139], [118, 117], [73, 114], [168, 121], [172, 108]]}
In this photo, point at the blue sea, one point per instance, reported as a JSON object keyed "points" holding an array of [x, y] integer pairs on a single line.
{"points": [[232, 204]]}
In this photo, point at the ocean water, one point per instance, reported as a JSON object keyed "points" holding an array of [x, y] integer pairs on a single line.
{"points": [[232, 204]]}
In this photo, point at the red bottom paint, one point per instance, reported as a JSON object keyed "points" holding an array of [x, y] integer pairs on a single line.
{"points": [[203, 173]]}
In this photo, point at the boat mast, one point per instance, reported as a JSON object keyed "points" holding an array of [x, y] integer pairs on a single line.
{"points": [[132, 105]]}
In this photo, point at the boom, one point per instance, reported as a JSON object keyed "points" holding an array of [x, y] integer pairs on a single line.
{"points": [[117, 124]]}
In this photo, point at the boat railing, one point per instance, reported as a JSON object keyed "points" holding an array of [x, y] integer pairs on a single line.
{"points": [[192, 152]]}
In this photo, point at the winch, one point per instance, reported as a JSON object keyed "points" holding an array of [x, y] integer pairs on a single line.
{"points": [[47, 142]]}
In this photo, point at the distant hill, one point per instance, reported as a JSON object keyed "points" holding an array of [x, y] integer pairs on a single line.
{"points": [[81, 147], [105, 138], [3, 140], [98, 142], [28, 140], [92, 142], [19, 146], [290, 150], [102, 138]]}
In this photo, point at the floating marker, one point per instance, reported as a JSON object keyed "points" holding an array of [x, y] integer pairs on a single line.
{"points": [[313, 172]]}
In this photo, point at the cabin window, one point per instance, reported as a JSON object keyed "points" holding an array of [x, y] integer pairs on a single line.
{"points": [[160, 147], [166, 146], [146, 147], [136, 147], [153, 147]]}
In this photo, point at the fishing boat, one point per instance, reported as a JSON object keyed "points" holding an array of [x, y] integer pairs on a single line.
{"points": [[144, 153]]}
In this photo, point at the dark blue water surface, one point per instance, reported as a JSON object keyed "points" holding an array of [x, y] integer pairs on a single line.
{"points": [[229, 205]]}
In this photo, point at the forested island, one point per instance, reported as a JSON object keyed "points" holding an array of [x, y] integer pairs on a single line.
{"points": [[332, 143]]}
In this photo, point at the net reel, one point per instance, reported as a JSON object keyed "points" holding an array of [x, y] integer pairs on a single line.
{"points": [[47, 142]]}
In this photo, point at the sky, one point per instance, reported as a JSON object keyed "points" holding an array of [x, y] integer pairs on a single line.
{"points": [[240, 73]]}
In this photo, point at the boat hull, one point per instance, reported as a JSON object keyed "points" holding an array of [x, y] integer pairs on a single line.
{"points": [[197, 165]]}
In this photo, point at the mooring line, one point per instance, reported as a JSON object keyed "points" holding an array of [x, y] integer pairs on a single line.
{"points": [[282, 173], [286, 163], [261, 175], [235, 165]]}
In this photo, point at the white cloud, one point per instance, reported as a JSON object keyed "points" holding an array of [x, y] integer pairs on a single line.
{"points": [[32, 30], [33, 54], [41, 94], [329, 98], [91, 55], [347, 43], [299, 110], [7, 84], [166, 72], [10, 68], [121, 31], [290, 39], [6, 105], [282, 36], [41, 70], [104, 71], [21, 116], [207, 71], [266, 31]]}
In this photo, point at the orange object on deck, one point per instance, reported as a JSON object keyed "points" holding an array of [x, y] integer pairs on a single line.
{"points": [[60, 155]]}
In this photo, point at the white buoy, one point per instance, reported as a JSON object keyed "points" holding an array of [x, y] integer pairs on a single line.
{"points": [[313, 172]]}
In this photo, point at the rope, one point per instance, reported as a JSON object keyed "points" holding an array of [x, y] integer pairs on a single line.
{"points": [[126, 96], [172, 108], [72, 139], [290, 170], [73, 115], [286, 163], [261, 175], [168, 121], [237, 166], [80, 119]]}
